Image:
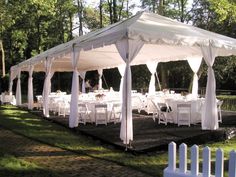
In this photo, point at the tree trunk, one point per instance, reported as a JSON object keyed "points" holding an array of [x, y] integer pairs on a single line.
{"points": [[161, 7], [121, 8], [80, 10], [127, 10], [100, 11], [154, 6], [110, 10], [182, 11], [70, 27], [3, 59], [38, 32], [115, 16]]}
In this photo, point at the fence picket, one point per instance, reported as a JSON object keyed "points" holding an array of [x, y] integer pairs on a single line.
{"points": [[206, 168], [232, 164], [194, 160], [183, 158], [219, 168], [172, 156]]}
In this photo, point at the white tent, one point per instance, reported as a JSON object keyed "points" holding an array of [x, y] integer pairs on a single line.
{"points": [[144, 38]]}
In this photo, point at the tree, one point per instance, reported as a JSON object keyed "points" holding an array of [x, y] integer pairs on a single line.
{"points": [[80, 15]]}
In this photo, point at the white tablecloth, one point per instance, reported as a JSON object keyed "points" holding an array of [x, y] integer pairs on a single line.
{"points": [[8, 99], [196, 108]]}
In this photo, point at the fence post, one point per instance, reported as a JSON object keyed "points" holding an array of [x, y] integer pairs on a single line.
{"points": [[194, 160], [172, 157], [183, 158], [232, 164], [206, 169], [219, 167]]}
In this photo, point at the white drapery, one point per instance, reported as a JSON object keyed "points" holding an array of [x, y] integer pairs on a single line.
{"points": [[128, 49], [47, 86], [121, 70], [195, 63], [73, 119], [100, 71], [12, 77], [18, 89], [152, 66], [82, 75], [30, 88], [209, 113]]}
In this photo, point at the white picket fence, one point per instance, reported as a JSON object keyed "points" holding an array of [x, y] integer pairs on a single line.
{"points": [[182, 171]]}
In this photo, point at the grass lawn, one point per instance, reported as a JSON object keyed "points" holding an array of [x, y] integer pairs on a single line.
{"points": [[11, 166], [27, 124]]}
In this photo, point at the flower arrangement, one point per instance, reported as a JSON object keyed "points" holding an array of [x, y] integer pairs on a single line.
{"points": [[6, 93], [99, 96]]}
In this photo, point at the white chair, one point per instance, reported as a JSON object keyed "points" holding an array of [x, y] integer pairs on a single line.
{"points": [[156, 110], [83, 113], [39, 102], [198, 116], [163, 113], [184, 114], [101, 114], [219, 104], [137, 103], [63, 108], [115, 113]]}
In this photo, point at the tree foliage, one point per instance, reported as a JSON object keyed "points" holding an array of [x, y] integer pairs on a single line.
{"points": [[29, 27]]}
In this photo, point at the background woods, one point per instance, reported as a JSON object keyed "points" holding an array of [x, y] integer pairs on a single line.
{"points": [[28, 27]]}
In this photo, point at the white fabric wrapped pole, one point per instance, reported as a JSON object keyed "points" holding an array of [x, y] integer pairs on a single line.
{"points": [[30, 88], [152, 66], [47, 86], [18, 89], [195, 63], [128, 49], [73, 118], [82, 75], [12, 77], [121, 70], [209, 113], [100, 71]]}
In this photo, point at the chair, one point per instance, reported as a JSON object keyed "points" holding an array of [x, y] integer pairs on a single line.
{"points": [[219, 104], [184, 114], [198, 116], [101, 114], [39, 102], [83, 113], [137, 103], [163, 113], [115, 113], [63, 108], [155, 113]]}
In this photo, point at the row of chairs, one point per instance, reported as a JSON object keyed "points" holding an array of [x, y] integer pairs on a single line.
{"points": [[164, 113], [101, 114]]}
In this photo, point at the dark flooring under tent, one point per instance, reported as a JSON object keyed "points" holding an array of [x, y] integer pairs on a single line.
{"points": [[149, 135]]}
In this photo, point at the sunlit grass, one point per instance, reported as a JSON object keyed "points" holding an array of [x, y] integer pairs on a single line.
{"points": [[12, 166], [39, 129]]}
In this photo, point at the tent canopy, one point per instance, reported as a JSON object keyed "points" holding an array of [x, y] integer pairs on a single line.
{"points": [[142, 39], [165, 40]]}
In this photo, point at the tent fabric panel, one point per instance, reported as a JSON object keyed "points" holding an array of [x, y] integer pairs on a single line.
{"points": [[158, 29]]}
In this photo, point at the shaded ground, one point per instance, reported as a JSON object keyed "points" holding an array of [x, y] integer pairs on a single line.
{"points": [[151, 136], [60, 161]]}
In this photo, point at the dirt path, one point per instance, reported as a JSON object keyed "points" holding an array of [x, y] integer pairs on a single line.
{"points": [[61, 161]]}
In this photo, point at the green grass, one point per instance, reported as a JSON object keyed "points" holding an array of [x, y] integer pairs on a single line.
{"points": [[229, 102], [42, 130], [11, 166]]}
